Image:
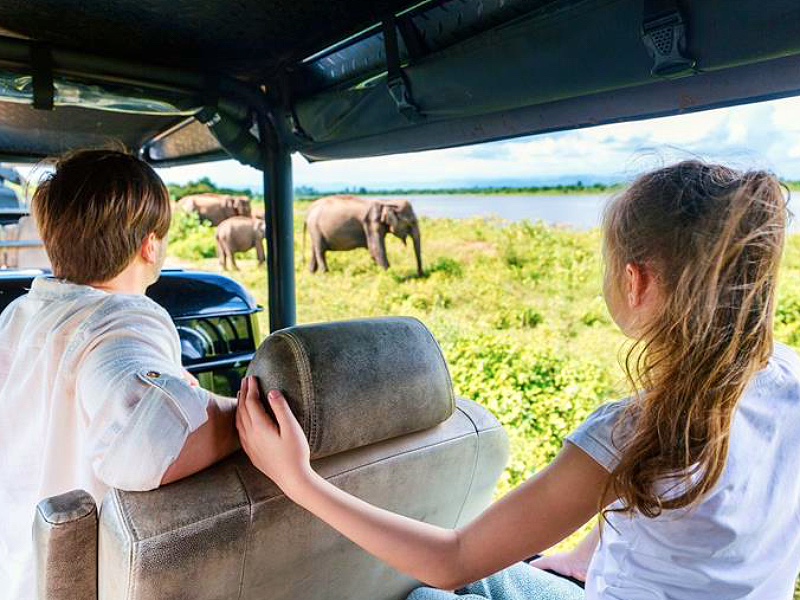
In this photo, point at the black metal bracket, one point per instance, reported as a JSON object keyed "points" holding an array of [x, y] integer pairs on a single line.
{"points": [[289, 111], [396, 81], [233, 134], [664, 36], [43, 86]]}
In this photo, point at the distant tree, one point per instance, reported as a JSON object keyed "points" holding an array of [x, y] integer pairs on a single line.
{"points": [[305, 190], [204, 185]]}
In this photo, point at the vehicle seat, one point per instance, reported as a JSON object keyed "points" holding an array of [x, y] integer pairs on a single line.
{"points": [[24, 258], [376, 402], [35, 257], [8, 233]]}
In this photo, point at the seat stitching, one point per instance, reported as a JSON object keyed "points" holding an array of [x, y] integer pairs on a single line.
{"points": [[247, 533], [474, 464], [304, 370], [450, 390], [129, 526]]}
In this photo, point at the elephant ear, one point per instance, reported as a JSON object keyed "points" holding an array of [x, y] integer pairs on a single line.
{"points": [[389, 216]]}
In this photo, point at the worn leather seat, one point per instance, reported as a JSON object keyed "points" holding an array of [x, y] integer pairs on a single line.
{"points": [[376, 401]]}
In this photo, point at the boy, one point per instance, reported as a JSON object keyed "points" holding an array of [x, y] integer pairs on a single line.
{"points": [[92, 391]]}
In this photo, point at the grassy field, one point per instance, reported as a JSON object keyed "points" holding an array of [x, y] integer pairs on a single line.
{"points": [[517, 309]]}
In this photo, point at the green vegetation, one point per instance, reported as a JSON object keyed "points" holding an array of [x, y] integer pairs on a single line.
{"points": [[203, 186], [190, 238], [516, 307]]}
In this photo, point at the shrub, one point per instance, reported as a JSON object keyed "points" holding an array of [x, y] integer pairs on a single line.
{"points": [[446, 266], [538, 396], [190, 238]]}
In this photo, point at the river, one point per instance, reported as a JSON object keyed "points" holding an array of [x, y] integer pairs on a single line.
{"points": [[579, 211]]}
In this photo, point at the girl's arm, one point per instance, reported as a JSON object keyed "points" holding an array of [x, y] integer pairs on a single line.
{"points": [[541, 512], [574, 563]]}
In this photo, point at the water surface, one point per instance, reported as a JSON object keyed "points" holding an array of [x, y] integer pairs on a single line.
{"points": [[579, 211]]}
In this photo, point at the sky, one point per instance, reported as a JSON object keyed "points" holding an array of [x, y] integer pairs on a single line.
{"points": [[765, 135]]}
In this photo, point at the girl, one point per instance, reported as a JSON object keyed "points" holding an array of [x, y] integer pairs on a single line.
{"points": [[695, 473]]}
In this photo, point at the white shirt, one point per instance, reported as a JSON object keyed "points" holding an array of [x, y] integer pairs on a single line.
{"points": [[91, 397], [740, 542]]}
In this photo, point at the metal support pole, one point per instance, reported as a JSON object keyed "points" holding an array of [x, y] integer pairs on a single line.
{"points": [[279, 213]]}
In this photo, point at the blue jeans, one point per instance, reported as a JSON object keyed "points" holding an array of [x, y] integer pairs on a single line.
{"points": [[518, 582]]}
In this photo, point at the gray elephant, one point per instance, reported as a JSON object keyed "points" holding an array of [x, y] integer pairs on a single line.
{"points": [[216, 207], [347, 222], [239, 234]]}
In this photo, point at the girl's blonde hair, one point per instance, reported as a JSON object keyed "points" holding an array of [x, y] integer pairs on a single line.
{"points": [[712, 237]]}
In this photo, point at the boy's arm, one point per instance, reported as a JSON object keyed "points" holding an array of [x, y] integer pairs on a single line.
{"points": [[211, 442], [146, 423]]}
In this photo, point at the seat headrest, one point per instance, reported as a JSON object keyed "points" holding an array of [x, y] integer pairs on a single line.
{"points": [[354, 383]]}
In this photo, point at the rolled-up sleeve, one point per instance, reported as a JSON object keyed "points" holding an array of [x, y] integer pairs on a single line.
{"points": [[139, 408]]}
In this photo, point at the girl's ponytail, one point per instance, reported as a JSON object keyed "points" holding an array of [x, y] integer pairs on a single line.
{"points": [[713, 237]]}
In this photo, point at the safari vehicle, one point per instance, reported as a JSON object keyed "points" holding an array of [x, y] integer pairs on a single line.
{"points": [[182, 82]]}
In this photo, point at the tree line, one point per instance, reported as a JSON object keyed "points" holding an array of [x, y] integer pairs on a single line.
{"points": [[205, 186]]}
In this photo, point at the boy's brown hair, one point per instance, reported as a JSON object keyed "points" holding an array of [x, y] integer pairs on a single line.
{"points": [[95, 210]]}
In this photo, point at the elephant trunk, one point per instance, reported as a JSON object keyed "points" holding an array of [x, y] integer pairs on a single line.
{"points": [[415, 235]]}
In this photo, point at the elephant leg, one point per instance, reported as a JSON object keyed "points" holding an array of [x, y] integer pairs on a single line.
{"points": [[380, 252], [322, 264], [221, 254], [318, 248], [312, 263], [260, 250], [376, 243], [234, 266]]}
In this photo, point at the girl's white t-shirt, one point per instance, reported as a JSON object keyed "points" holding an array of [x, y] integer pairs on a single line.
{"points": [[740, 542]]}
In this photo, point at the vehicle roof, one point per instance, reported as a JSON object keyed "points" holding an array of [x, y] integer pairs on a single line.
{"points": [[473, 70]]}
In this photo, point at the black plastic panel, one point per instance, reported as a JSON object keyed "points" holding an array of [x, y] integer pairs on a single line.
{"points": [[188, 294], [32, 133]]}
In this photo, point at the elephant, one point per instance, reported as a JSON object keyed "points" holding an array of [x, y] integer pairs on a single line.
{"points": [[347, 222], [216, 207], [239, 234]]}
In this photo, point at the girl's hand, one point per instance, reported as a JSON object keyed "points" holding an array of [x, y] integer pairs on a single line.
{"points": [[564, 563], [279, 450]]}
